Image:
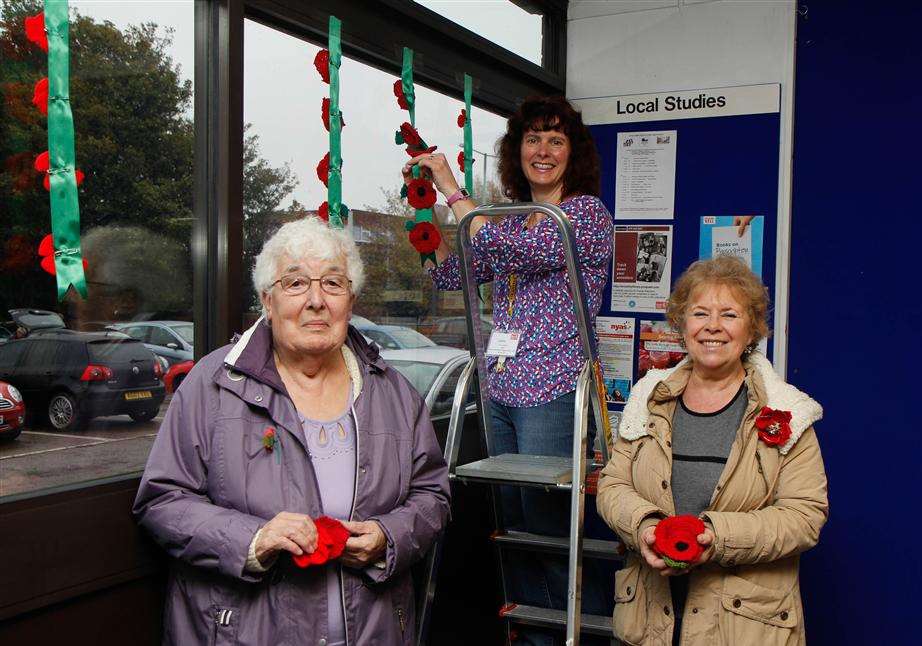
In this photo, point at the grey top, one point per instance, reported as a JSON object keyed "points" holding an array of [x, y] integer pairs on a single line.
{"points": [[701, 443], [332, 452]]}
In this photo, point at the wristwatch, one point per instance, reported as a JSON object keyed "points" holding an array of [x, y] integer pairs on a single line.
{"points": [[460, 194]]}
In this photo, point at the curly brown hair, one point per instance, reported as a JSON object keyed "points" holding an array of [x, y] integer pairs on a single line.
{"points": [[728, 271], [543, 113]]}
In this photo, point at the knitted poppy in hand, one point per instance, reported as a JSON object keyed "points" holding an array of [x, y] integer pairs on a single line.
{"points": [[322, 63], [331, 541], [462, 118], [677, 540], [40, 96], [323, 169], [401, 98], [42, 165], [35, 30], [420, 193], [774, 426], [325, 115], [425, 238]]}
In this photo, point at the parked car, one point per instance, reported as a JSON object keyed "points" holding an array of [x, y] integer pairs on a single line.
{"points": [[395, 337], [27, 320], [73, 377], [175, 375], [169, 339], [434, 372], [12, 412], [452, 330]]}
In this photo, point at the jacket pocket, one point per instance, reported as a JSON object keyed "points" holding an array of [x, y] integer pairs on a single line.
{"points": [[630, 619], [753, 614], [224, 629], [402, 598]]}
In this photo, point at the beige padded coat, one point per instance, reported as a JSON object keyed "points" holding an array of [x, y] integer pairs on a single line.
{"points": [[768, 506]]}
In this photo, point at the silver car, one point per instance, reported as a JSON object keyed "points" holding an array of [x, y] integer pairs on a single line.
{"points": [[171, 340]]}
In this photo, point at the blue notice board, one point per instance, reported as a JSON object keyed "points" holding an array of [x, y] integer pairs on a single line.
{"points": [[725, 166]]}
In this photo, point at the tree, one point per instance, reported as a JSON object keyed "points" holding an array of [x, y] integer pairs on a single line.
{"points": [[134, 140]]}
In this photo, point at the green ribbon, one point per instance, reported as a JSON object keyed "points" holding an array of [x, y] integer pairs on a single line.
{"points": [[409, 92], [335, 177], [468, 138], [65, 206]]}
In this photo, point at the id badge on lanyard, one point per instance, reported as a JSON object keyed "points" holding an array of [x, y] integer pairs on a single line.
{"points": [[505, 343]]}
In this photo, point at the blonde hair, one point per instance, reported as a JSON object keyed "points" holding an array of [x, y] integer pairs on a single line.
{"points": [[730, 272]]}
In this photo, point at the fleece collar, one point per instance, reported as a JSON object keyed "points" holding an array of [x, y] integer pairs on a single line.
{"points": [[779, 395], [252, 355]]}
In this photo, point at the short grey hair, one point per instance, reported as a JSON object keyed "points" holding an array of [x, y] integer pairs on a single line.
{"points": [[308, 237]]}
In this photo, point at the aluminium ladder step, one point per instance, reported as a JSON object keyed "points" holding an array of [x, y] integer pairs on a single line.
{"points": [[592, 547], [546, 617], [547, 470]]}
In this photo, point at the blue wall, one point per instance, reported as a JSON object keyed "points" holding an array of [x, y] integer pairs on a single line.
{"points": [[855, 316]]}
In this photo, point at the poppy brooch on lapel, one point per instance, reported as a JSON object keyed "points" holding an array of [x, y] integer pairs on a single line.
{"points": [[774, 426]]}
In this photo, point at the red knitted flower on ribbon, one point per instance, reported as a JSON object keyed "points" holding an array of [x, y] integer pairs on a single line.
{"points": [[461, 160], [425, 238], [35, 30], [774, 426], [401, 98], [324, 212], [677, 540], [331, 541], [322, 63], [42, 165], [420, 193], [410, 135], [323, 169], [40, 96], [413, 152], [46, 252], [462, 118], [325, 115]]}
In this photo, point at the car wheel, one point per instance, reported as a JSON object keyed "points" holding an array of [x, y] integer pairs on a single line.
{"points": [[64, 414], [144, 415]]}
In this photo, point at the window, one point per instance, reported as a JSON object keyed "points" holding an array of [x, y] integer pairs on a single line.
{"points": [[161, 336], [507, 24], [131, 67]]}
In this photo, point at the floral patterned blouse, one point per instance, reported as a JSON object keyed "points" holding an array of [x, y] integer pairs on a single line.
{"points": [[549, 355]]}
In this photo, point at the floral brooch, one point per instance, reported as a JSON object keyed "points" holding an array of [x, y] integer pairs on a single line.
{"points": [[271, 443], [774, 426]]}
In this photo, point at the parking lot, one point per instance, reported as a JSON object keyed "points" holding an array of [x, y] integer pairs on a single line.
{"points": [[42, 458]]}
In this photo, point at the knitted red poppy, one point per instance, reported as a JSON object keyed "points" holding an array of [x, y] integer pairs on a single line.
{"points": [[401, 98], [331, 541], [42, 164], [324, 212], [425, 238], [325, 114], [35, 30], [323, 169], [774, 426], [461, 160], [40, 96], [677, 540], [462, 118], [410, 135], [322, 63], [420, 194]]}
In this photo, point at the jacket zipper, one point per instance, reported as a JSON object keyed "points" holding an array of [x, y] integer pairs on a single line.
{"points": [[403, 621], [355, 489]]}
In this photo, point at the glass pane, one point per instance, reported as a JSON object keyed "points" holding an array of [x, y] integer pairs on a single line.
{"points": [[92, 396], [500, 21]]}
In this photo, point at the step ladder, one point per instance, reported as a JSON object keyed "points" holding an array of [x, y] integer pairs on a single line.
{"points": [[547, 472]]}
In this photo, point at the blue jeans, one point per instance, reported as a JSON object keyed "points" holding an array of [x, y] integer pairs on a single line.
{"points": [[541, 580]]}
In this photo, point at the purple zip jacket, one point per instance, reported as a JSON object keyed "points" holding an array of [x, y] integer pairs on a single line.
{"points": [[210, 484]]}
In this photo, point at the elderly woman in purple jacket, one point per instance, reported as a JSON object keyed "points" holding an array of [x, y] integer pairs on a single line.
{"points": [[299, 418]]}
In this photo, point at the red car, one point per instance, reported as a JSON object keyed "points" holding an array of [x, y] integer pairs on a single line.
{"points": [[12, 412], [176, 374]]}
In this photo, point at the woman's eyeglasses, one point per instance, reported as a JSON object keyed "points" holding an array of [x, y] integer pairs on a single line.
{"points": [[296, 284]]}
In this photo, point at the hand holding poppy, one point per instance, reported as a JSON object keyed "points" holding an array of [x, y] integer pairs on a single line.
{"points": [[367, 545], [437, 167], [676, 540], [286, 532]]}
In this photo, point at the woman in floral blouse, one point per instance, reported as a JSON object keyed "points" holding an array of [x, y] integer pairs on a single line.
{"points": [[547, 155]]}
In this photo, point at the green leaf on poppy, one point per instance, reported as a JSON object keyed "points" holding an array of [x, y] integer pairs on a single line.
{"points": [[403, 191], [424, 258], [679, 565], [409, 224], [398, 138]]}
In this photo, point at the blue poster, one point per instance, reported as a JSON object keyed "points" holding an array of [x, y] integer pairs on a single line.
{"points": [[735, 235]]}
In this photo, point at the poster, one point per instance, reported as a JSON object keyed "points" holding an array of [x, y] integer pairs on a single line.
{"points": [[616, 352], [660, 347], [642, 268], [645, 175], [736, 235]]}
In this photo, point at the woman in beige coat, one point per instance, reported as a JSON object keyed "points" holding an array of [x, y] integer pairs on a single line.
{"points": [[697, 439]]}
